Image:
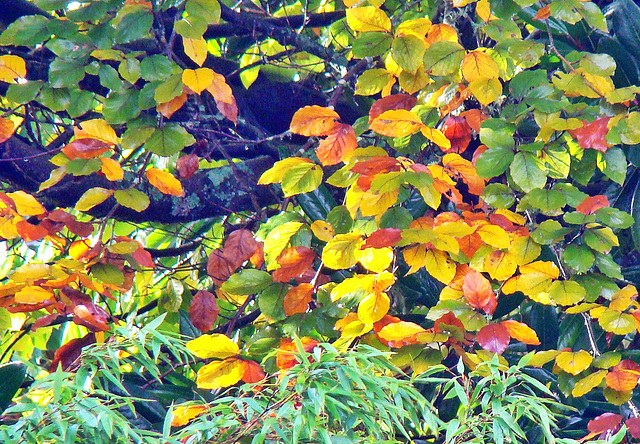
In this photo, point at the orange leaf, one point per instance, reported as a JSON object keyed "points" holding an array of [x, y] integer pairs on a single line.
{"points": [[478, 292], [543, 13], [395, 101], [396, 123], [442, 32], [493, 337], [337, 145], [592, 204], [111, 169], [252, 372], [187, 165], [458, 131], [474, 118], [167, 109], [375, 165], [457, 166], [384, 237], [297, 299], [239, 247], [219, 267], [521, 332], [85, 148], [623, 376], [165, 182], [286, 356], [447, 319], [143, 257], [293, 262], [593, 135], [185, 413], [313, 121], [223, 95], [7, 128], [203, 310], [30, 232]]}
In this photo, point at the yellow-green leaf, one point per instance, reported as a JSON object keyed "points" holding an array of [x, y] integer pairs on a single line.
{"points": [[588, 383], [486, 89], [373, 307], [277, 171], [618, 323], [220, 374], [567, 292], [301, 178], [132, 198], [368, 18], [92, 197], [574, 362], [277, 240]]}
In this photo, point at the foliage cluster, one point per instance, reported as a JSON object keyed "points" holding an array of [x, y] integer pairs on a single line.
{"points": [[441, 247]]}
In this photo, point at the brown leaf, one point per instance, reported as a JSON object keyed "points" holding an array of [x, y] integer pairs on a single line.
{"points": [[293, 262], [239, 247], [93, 317], [203, 310], [187, 165], [219, 267], [66, 355], [30, 232], [633, 425]]}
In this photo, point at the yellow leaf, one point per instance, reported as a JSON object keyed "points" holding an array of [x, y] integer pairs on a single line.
{"points": [[500, 265], [30, 272], [574, 362], [415, 257], [588, 383], [32, 295], [352, 327], [313, 121], [399, 331], [396, 123], [165, 182], [111, 169], [12, 67], [541, 358], [494, 235], [485, 89], [213, 346], [356, 284], [440, 266], [436, 136], [185, 413], [373, 307], [277, 171], [376, 259], [621, 299], [567, 292], [56, 176], [483, 11], [534, 278], [195, 49], [197, 80], [368, 18], [220, 374], [375, 204], [521, 332], [277, 240], [97, 129], [340, 252], [618, 323], [477, 64], [323, 230], [26, 204], [524, 250], [92, 197]]}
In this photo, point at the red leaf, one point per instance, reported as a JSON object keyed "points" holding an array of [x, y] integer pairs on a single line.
{"points": [[85, 148], [395, 101], [143, 257], [633, 425], [67, 354], [338, 144], [203, 310], [375, 165], [592, 204], [604, 423], [219, 267], [478, 292], [187, 166], [384, 237], [239, 247], [458, 131], [493, 337], [593, 135], [30, 232], [293, 262]]}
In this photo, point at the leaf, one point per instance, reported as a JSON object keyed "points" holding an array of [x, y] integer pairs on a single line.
{"points": [[195, 49], [521, 332], [219, 374], [621, 379], [301, 178], [407, 52], [617, 323], [527, 171], [277, 240], [26, 204], [313, 121], [494, 338], [337, 145], [32, 294], [85, 148], [168, 109], [588, 383], [169, 140], [593, 135], [111, 169], [567, 292], [7, 128], [11, 377], [197, 80], [187, 165], [223, 95], [239, 247], [534, 278], [97, 129], [439, 265], [219, 266], [373, 307], [368, 18], [443, 57], [203, 310], [165, 182], [478, 64], [183, 414], [215, 345], [574, 362], [132, 198], [386, 237], [391, 102], [276, 173], [297, 299], [252, 372], [340, 252], [592, 203], [286, 356], [247, 282], [396, 123], [293, 261], [633, 425], [372, 81], [604, 423], [92, 197], [478, 292], [400, 333]]}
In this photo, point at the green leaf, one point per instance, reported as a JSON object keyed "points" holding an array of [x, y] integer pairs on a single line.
{"points": [[372, 81], [134, 25], [247, 282], [395, 217], [11, 376], [155, 67], [192, 27], [407, 51], [371, 44], [107, 273], [576, 218], [598, 64], [26, 31], [81, 102], [132, 198], [572, 195], [498, 195], [614, 217], [65, 73], [579, 257], [301, 178], [549, 232], [56, 99], [271, 301], [625, 19], [494, 162], [169, 89], [120, 107], [25, 92], [613, 164], [496, 133], [600, 238], [557, 160], [443, 58], [528, 172], [545, 200], [340, 218], [169, 140], [608, 266], [209, 10]]}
